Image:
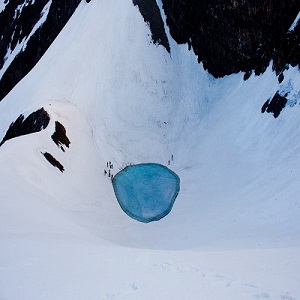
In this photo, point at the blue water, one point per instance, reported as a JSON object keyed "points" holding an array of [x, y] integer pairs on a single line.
{"points": [[146, 192]]}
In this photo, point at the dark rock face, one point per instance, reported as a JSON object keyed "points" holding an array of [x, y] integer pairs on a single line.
{"points": [[60, 136], [54, 162], [288, 51], [151, 14], [275, 106], [236, 35], [19, 24], [35, 122]]}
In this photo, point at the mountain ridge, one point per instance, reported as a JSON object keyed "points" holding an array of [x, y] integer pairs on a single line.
{"points": [[251, 34]]}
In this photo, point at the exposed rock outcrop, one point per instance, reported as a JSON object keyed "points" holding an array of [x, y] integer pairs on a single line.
{"points": [[236, 35], [60, 136], [19, 18], [53, 161], [275, 105], [151, 14], [35, 122]]}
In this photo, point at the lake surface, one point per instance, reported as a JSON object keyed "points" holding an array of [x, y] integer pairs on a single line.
{"points": [[146, 192]]}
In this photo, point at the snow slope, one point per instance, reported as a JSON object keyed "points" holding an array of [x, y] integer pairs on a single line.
{"points": [[233, 232]]}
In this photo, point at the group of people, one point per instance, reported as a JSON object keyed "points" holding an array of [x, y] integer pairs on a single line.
{"points": [[110, 167], [108, 172], [169, 161]]}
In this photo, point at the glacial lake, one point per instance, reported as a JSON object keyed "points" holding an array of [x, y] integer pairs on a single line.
{"points": [[146, 192]]}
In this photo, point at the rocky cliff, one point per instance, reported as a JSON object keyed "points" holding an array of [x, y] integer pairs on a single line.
{"points": [[236, 35], [29, 29]]}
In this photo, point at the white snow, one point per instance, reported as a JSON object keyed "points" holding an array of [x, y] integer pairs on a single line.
{"points": [[292, 28], [3, 4], [234, 230]]}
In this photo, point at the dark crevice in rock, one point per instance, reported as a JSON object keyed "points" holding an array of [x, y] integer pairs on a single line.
{"points": [[247, 75], [35, 122], [275, 105], [54, 162], [59, 13], [60, 136], [234, 35], [151, 14], [280, 77]]}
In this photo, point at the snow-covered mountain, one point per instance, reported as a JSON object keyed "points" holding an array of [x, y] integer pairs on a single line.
{"points": [[110, 89]]}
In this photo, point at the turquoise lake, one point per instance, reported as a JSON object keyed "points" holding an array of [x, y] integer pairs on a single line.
{"points": [[146, 192]]}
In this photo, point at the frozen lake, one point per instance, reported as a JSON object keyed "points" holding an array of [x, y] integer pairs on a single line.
{"points": [[146, 192]]}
